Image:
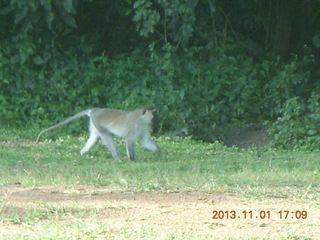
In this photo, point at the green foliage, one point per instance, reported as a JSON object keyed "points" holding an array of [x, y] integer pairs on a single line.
{"points": [[172, 20], [290, 80], [299, 125], [34, 30], [217, 93], [184, 57], [205, 95], [144, 14]]}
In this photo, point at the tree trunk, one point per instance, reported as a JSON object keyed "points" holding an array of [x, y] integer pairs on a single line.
{"points": [[285, 12]]}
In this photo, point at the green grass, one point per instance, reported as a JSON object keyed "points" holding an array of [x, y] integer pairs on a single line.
{"points": [[184, 165]]}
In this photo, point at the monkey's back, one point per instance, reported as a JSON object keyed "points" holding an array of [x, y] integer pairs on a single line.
{"points": [[114, 121]]}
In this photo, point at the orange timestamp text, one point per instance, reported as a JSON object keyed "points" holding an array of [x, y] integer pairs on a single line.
{"points": [[261, 214]]}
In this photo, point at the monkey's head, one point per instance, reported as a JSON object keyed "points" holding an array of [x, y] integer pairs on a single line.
{"points": [[149, 113]]}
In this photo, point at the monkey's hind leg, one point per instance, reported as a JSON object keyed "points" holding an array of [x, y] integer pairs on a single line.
{"points": [[94, 136]]}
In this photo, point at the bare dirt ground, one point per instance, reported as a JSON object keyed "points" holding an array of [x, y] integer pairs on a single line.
{"points": [[174, 212]]}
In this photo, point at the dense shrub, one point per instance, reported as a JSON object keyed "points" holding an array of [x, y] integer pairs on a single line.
{"points": [[203, 64], [188, 88], [282, 82], [299, 125]]}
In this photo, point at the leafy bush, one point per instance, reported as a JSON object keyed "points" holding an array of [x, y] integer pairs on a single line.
{"points": [[284, 81], [299, 125], [58, 57], [204, 90]]}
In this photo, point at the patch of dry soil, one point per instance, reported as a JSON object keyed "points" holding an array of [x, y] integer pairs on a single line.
{"points": [[174, 212]]}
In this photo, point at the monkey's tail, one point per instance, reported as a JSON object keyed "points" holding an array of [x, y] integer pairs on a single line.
{"points": [[74, 117]]}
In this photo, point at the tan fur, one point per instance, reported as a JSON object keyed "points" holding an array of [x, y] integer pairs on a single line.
{"points": [[105, 122]]}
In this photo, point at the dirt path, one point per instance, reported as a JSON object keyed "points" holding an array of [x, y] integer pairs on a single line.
{"points": [[174, 212]]}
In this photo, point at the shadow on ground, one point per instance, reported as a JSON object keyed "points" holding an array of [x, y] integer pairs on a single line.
{"points": [[247, 136]]}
